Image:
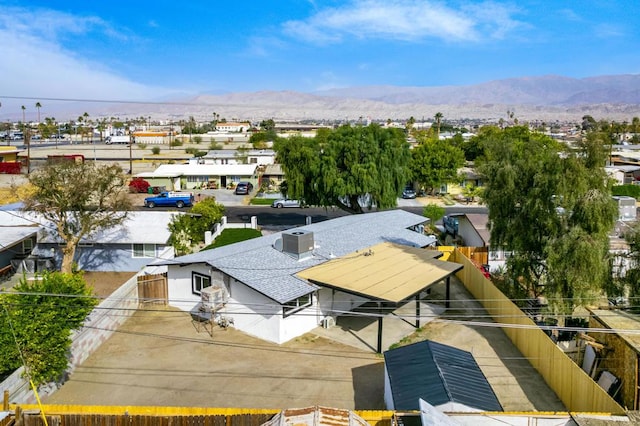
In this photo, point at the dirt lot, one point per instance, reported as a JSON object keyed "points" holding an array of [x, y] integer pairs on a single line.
{"points": [[159, 358]]}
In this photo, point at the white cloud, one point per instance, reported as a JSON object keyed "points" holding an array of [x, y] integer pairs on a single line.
{"points": [[404, 20], [606, 30], [35, 63]]}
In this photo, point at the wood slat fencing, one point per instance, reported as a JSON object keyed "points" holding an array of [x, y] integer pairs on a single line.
{"points": [[164, 416], [578, 391], [153, 289]]}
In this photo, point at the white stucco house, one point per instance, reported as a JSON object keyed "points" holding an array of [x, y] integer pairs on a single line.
{"points": [[283, 285], [176, 177], [141, 239], [234, 156]]}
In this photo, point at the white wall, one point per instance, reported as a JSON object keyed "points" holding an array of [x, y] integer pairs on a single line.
{"points": [[468, 233], [388, 397], [334, 302], [300, 322], [251, 312], [179, 284]]}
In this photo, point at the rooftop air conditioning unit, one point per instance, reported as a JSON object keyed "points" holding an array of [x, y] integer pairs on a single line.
{"points": [[298, 243]]}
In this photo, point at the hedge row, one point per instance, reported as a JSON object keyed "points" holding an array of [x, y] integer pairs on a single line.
{"points": [[628, 190]]}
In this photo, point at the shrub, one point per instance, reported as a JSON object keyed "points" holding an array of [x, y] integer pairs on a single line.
{"points": [[155, 150], [41, 323], [138, 185], [626, 190], [142, 145], [176, 142]]}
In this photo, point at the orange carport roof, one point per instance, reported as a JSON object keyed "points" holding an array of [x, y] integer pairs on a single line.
{"points": [[386, 271]]}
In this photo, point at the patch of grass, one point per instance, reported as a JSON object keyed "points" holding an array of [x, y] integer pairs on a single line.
{"points": [[261, 201], [448, 201], [234, 235]]}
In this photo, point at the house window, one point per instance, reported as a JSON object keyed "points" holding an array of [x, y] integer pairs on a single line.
{"points": [[27, 246], [296, 305], [144, 250], [198, 282]]}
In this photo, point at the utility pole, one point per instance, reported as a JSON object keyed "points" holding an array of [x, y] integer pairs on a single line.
{"points": [[131, 141]]}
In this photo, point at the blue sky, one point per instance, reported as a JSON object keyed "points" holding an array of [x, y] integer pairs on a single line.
{"points": [[151, 49]]}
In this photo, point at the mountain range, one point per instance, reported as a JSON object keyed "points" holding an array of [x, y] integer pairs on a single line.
{"points": [[546, 98]]}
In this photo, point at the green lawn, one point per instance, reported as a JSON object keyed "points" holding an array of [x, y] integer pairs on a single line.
{"points": [[234, 235], [261, 201]]}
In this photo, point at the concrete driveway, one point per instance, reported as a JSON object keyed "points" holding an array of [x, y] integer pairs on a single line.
{"points": [[159, 358]]}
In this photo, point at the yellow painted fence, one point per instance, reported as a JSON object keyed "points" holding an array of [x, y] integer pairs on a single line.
{"points": [[578, 391]]}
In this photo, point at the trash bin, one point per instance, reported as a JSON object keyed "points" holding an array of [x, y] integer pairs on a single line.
{"points": [[150, 190]]}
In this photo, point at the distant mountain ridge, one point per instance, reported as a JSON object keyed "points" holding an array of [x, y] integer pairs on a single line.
{"points": [[546, 98], [546, 90]]}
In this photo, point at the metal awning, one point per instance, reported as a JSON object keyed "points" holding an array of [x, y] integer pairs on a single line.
{"points": [[385, 272]]}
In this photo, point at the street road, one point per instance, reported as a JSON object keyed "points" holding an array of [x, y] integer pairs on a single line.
{"points": [[270, 217]]}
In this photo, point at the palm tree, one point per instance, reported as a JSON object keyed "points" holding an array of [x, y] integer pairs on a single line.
{"points": [[26, 139], [88, 129], [38, 106], [438, 119]]}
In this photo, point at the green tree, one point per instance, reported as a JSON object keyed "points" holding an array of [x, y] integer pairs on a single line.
{"points": [[348, 167], [438, 120], [434, 212], [552, 208], [36, 320], [268, 125], [259, 139], [187, 230], [38, 106], [434, 161], [79, 199]]}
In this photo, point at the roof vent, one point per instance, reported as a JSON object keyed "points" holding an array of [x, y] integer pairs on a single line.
{"points": [[298, 243]]}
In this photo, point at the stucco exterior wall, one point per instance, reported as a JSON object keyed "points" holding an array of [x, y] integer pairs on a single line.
{"points": [[106, 258], [251, 312]]}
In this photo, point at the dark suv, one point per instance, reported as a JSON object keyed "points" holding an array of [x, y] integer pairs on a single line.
{"points": [[243, 188]]}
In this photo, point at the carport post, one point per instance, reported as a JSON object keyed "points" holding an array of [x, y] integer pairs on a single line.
{"points": [[418, 310], [448, 296], [379, 328]]}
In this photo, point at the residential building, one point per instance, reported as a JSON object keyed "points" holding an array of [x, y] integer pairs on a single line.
{"points": [[283, 285], [176, 177], [234, 156], [141, 239]]}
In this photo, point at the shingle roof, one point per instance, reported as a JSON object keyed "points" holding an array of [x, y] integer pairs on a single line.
{"points": [[438, 374], [14, 234], [142, 227], [271, 272]]}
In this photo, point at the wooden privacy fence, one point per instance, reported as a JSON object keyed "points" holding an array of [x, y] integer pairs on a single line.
{"points": [[153, 289], [73, 415], [578, 391]]}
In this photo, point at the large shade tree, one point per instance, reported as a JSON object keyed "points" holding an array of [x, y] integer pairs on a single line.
{"points": [[353, 168], [79, 199], [551, 207], [434, 161]]}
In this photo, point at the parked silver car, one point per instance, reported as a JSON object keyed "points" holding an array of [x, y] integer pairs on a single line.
{"points": [[286, 202]]}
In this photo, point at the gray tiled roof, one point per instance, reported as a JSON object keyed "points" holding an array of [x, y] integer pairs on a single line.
{"points": [[271, 272]]}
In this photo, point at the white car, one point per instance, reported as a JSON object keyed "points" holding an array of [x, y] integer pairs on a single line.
{"points": [[286, 202]]}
